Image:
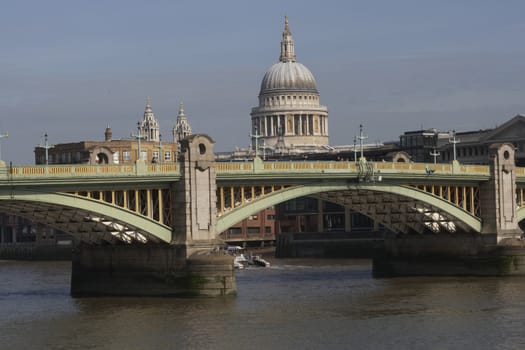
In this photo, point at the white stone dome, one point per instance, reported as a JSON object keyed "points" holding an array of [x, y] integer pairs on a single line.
{"points": [[288, 76], [289, 117]]}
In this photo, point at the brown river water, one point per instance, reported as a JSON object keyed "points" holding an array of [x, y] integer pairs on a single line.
{"points": [[295, 304]]}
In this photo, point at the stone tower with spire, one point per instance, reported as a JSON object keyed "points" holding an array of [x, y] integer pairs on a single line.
{"points": [[182, 128], [149, 126]]}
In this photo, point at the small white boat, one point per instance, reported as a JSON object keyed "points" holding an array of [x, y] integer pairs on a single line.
{"points": [[257, 260], [240, 261]]}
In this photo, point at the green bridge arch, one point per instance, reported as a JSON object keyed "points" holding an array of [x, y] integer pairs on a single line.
{"points": [[236, 215], [520, 214], [88, 206]]}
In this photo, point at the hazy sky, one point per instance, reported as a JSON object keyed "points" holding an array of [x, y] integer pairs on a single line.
{"points": [[70, 68]]}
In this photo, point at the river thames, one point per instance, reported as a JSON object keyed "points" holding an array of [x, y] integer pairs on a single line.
{"points": [[295, 304]]}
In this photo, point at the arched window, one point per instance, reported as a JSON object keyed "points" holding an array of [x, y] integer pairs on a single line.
{"points": [[102, 158]]}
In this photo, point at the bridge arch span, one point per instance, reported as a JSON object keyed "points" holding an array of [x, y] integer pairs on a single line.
{"points": [[520, 214], [433, 208], [88, 219]]}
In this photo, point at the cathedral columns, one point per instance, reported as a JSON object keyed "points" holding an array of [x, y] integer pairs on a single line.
{"points": [[307, 124]]}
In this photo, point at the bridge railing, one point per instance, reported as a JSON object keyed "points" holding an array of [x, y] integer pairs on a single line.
{"points": [[284, 166], [233, 167], [230, 168], [249, 167], [433, 168], [520, 172], [35, 171]]}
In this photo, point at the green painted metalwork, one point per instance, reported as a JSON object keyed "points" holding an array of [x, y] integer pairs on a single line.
{"points": [[237, 215], [139, 222], [520, 214]]}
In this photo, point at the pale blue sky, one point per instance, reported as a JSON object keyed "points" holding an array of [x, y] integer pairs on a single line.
{"points": [[69, 68]]}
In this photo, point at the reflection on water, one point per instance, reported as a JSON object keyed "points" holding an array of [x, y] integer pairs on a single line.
{"points": [[297, 304]]}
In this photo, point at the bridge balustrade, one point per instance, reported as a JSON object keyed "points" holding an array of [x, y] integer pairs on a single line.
{"points": [[233, 167], [163, 168], [224, 168], [349, 166], [32, 171]]}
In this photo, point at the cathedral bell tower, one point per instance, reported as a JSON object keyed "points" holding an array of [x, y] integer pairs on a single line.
{"points": [[182, 128], [149, 126]]}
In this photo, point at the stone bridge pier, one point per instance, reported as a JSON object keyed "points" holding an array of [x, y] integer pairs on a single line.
{"points": [[191, 265], [497, 250]]}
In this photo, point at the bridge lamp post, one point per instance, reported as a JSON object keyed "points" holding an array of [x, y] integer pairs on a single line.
{"points": [[6, 135], [434, 153], [160, 149], [256, 136], [138, 136], [264, 148], [355, 148], [453, 141], [361, 137], [46, 147]]}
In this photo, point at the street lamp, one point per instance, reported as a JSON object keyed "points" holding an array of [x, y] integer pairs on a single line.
{"points": [[138, 136], [160, 149], [361, 137], [46, 147], [453, 141], [355, 148], [264, 148], [434, 134], [256, 136], [434, 154], [6, 135]]}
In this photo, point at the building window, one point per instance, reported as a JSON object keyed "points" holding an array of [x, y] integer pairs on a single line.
{"points": [[253, 217], [126, 156], [270, 217], [167, 156], [144, 155], [267, 229], [254, 230]]}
